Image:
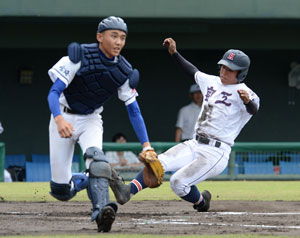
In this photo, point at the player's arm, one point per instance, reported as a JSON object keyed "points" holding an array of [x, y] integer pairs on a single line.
{"points": [[138, 124], [187, 67], [252, 105], [128, 94], [61, 74], [65, 129], [178, 133]]}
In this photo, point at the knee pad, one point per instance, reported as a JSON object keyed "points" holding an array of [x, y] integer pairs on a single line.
{"points": [[99, 167], [94, 153], [61, 192], [80, 181]]}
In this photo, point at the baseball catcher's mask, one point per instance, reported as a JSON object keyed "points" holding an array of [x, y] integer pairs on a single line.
{"points": [[236, 60]]}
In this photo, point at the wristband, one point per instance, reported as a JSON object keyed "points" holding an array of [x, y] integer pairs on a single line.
{"points": [[147, 148]]}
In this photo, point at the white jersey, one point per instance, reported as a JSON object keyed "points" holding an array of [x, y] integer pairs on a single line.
{"points": [[222, 117], [66, 70], [223, 113], [88, 129]]}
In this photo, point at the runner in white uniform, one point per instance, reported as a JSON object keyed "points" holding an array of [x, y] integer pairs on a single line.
{"points": [[228, 104]]}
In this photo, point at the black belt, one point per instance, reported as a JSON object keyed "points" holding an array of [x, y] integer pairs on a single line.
{"points": [[67, 110], [207, 141]]}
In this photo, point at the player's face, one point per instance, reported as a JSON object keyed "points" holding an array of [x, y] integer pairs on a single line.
{"points": [[228, 76], [197, 98], [121, 140], [111, 42]]}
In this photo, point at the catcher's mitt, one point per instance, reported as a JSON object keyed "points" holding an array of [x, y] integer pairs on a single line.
{"points": [[153, 172]]}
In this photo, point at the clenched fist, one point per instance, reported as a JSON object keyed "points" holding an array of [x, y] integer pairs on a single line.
{"points": [[171, 44]]}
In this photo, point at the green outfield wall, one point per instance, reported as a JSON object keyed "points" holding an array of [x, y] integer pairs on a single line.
{"points": [[242, 152], [153, 8]]}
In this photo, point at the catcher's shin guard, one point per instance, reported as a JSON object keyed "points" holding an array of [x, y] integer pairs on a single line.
{"points": [[204, 207], [99, 174], [98, 193], [119, 188]]}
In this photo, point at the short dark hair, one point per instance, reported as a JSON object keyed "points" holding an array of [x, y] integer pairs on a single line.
{"points": [[118, 136]]}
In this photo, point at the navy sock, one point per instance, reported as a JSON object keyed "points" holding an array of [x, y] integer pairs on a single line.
{"points": [[138, 183], [193, 196], [201, 204]]}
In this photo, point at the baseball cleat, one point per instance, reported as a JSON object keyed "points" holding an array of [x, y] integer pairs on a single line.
{"points": [[120, 189], [105, 219], [207, 197]]}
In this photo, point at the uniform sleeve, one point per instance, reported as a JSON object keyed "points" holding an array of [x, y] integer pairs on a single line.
{"points": [[53, 97], [65, 70], [127, 94], [137, 121], [252, 95], [180, 119], [202, 80], [186, 66], [253, 106]]}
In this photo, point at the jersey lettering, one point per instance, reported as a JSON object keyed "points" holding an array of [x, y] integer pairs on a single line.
{"points": [[64, 70], [225, 97], [209, 93]]}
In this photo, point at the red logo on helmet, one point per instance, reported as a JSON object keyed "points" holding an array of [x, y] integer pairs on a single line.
{"points": [[231, 56]]}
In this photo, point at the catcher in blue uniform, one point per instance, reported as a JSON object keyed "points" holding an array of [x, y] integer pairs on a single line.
{"points": [[82, 82]]}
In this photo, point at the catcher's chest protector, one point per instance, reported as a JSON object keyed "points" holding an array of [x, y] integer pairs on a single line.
{"points": [[96, 81]]}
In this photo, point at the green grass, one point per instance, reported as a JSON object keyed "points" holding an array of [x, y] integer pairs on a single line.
{"points": [[221, 190]]}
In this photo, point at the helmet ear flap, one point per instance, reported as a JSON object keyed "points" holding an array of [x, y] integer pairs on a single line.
{"points": [[241, 76]]}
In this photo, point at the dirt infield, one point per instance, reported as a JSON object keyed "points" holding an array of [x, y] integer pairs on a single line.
{"points": [[153, 217]]}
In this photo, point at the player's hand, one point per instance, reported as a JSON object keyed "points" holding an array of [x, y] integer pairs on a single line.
{"points": [[65, 129], [244, 96], [171, 44], [123, 162]]}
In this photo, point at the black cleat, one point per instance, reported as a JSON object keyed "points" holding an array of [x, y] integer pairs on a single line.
{"points": [[119, 188], [207, 197], [105, 219]]}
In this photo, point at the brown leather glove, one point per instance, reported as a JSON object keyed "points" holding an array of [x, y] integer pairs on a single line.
{"points": [[153, 172]]}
